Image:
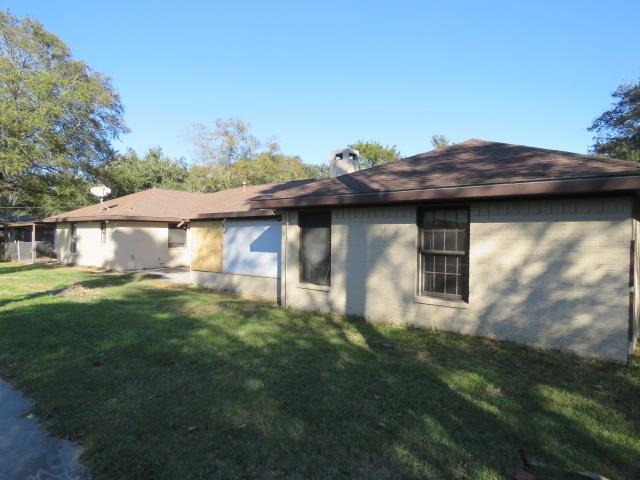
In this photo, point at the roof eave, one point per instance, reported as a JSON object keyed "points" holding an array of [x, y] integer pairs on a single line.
{"points": [[254, 213], [509, 190], [120, 218], [21, 224]]}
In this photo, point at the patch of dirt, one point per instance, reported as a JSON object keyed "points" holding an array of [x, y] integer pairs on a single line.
{"points": [[214, 307], [197, 309], [78, 291], [160, 282]]}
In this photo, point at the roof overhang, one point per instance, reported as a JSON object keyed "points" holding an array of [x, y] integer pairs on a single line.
{"points": [[21, 224], [256, 213], [119, 218], [581, 186]]}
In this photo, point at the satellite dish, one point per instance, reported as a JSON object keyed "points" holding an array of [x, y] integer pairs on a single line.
{"points": [[101, 191]]}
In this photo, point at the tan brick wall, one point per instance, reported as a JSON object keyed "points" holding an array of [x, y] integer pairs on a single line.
{"points": [[552, 273]]}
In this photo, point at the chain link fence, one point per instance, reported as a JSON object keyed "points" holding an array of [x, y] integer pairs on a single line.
{"points": [[18, 251]]}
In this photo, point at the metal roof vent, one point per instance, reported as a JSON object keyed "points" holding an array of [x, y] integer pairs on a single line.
{"points": [[344, 161]]}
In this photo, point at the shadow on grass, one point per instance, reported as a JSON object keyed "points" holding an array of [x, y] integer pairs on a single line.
{"points": [[9, 268], [163, 382], [100, 280]]}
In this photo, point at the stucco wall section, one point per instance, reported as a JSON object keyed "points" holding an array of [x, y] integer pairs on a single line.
{"points": [[89, 249], [552, 273], [128, 246], [62, 242], [251, 286]]}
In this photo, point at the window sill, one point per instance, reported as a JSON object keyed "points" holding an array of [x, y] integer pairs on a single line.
{"points": [[440, 302], [313, 286], [178, 248]]}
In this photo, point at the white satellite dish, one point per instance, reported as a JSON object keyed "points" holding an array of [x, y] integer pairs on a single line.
{"points": [[101, 191]]}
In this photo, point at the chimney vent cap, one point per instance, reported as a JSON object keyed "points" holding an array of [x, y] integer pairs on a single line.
{"points": [[344, 161]]}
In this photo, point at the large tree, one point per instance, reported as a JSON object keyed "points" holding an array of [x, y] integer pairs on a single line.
{"points": [[217, 149], [228, 155], [617, 131], [57, 117], [375, 153], [129, 173], [274, 167]]}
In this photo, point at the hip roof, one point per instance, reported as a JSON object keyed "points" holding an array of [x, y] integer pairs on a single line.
{"points": [[472, 169]]}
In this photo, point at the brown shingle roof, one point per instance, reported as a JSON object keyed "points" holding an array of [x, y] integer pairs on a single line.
{"points": [[158, 204], [235, 202], [475, 168]]}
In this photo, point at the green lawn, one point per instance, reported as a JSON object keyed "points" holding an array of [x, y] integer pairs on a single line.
{"points": [[160, 381]]}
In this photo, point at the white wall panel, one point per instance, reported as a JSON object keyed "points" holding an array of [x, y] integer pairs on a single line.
{"points": [[252, 247]]}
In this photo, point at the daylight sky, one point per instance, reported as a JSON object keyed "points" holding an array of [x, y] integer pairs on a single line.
{"points": [[319, 75]]}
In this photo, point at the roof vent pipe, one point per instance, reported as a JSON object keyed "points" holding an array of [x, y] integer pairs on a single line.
{"points": [[343, 162]]}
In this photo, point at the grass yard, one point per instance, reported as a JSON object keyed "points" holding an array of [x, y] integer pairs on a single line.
{"points": [[166, 382]]}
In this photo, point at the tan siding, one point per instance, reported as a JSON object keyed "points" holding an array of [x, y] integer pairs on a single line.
{"points": [[551, 273], [207, 239]]}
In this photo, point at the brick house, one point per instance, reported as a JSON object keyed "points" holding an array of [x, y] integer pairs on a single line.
{"points": [[484, 238]]}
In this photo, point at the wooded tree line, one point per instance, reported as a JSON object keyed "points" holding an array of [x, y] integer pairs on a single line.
{"points": [[58, 119], [225, 156]]}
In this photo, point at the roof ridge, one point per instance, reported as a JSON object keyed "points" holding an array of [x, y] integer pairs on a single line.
{"points": [[589, 156], [472, 141]]}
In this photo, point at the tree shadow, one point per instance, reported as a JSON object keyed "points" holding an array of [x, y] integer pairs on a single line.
{"points": [[10, 268], [533, 290], [101, 280], [164, 382]]}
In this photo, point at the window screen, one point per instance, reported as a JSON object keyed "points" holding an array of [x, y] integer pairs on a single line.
{"points": [[177, 236], [444, 251], [103, 233], [74, 238], [315, 247]]}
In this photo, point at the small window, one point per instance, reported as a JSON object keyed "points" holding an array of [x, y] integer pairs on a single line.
{"points": [[103, 233], [315, 247], [444, 252], [74, 238], [177, 235]]}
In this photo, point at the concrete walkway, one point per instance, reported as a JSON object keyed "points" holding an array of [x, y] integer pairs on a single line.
{"points": [[174, 275], [27, 452]]}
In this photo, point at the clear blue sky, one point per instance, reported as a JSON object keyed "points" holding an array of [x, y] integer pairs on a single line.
{"points": [[319, 75]]}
